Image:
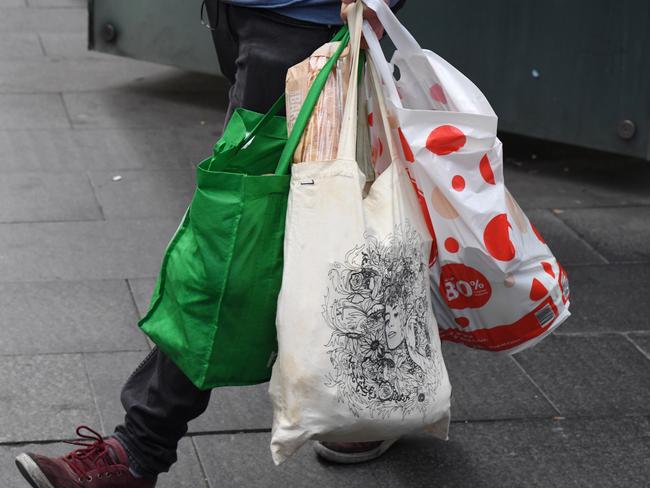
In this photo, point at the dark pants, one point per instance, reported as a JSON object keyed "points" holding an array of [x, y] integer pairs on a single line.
{"points": [[255, 51]]}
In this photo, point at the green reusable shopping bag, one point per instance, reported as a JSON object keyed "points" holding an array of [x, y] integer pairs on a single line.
{"points": [[213, 308]]}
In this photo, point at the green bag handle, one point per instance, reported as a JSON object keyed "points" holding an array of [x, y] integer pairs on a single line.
{"points": [[279, 103], [309, 104]]}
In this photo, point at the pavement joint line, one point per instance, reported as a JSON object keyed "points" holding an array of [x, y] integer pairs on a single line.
{"points": [[579, 236], [588, 207], [598, 333], [539, 388], [95, 196], [142, 219], [93, 394], [150, 343], [608, 263], [638, 348], [80, 127], [53, 7], [65, 109], [65, 172], [558, 418], [55, 280], [55, 221], [40, 43], [68, 353], [206, 479], [103, 129]]}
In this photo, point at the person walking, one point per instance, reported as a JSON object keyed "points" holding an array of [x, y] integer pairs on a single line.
{"points": [[256, 41]]}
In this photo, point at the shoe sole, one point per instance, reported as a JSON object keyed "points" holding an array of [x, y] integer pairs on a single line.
{"points": [[31, 472], [352, 457]]}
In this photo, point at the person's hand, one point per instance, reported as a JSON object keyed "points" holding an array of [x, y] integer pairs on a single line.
{"points": [[368, 14]]}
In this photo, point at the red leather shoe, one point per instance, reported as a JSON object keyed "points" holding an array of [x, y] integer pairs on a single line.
{"points": [[102, 463]]}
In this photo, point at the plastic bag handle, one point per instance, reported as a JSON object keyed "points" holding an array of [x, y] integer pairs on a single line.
{"points": [[399, 34], [308, 106], [381, 64]]}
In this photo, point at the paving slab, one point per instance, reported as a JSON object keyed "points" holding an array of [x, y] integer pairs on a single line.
{"points": [[84, 250], [13, 3], [141, 289], [619, 234], [231, 409], [108, 372], [54, 75], [642, 341], [104, 149], [600, 293], [71, 45], [491, 386], [129, 109], [38, 111], [43, 20], [571, 183], [44, 397], [567, 247], [40, 197], [19, 45], [186, 473], [598, 453], [236, 408], [144, 194], [86, 315], [245, 460], [590, 375]]}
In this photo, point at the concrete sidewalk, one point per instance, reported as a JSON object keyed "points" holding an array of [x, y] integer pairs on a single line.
{"points": [[96, 168]]}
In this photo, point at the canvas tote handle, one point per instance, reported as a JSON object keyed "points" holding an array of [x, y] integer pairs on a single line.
{"points": [[348, 139]]}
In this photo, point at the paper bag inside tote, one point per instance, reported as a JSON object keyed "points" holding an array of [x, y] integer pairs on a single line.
{"points": [[320, 139]]}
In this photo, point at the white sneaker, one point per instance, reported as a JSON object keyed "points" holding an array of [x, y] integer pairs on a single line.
{"points": [[352, 452]]}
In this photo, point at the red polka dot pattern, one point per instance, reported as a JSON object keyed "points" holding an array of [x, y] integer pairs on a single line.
{"points": [[370, 120], [445, 139], [438, 94], [452, 245], [458, 183], [486, 170], [433, 253], [496, 238], [539, 236], [548, 268], [408, 153], [537, 290], [462, 321]]}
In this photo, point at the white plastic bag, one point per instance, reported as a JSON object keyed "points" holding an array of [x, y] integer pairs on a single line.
{"points": [[495, 283], [359, 354]]}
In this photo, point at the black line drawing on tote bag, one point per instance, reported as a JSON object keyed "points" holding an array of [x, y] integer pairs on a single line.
{"points": [[382, 348]]}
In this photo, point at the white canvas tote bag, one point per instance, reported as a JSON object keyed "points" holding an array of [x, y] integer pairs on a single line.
{"points": [[495, 283], [359, 353]]}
